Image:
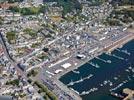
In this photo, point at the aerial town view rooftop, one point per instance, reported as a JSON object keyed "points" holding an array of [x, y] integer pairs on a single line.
{"points": [[66, 49]]}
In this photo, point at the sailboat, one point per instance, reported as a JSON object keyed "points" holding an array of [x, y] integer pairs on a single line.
{"points": [[77, 72], [71, 83]]}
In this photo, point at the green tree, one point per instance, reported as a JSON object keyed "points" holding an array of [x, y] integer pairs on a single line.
{"points": [[11, 36], [30, 32], [13, 82], [1, 20]]}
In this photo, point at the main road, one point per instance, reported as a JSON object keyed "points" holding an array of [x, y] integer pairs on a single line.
{"points": [[12, 61]]}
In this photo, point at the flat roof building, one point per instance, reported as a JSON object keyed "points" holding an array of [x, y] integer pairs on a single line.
{"points": [[66, 65]]}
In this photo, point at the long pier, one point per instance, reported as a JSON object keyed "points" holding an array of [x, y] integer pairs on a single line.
{"points": [[80, 80]]}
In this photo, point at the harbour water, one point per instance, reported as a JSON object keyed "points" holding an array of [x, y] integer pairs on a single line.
{"points": [[103, 75]]}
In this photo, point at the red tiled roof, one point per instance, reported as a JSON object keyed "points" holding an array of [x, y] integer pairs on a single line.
{"points": [[7, 5]]}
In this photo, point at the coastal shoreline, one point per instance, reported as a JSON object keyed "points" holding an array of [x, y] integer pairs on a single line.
{"points": [[121, 42]]}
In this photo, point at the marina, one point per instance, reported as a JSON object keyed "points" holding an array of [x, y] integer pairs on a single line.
{"points": [[67, 49], [117, 74]]}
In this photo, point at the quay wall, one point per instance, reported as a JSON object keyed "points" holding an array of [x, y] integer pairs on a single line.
{"points": [[119, 43]]}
